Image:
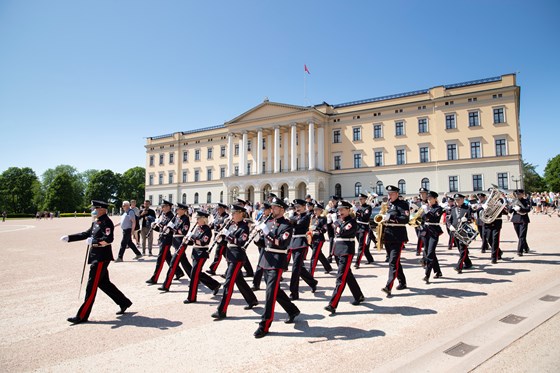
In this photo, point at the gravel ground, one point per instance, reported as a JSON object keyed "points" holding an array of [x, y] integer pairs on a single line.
{"points": [[41, 277]]}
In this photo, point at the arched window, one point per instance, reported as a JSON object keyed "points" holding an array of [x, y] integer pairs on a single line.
{"points": [[222, 196], [184, 199], [338, 190], [379, 188], [426, 183], [402, 186], [357, 189], [209, 197], [196, 198]]}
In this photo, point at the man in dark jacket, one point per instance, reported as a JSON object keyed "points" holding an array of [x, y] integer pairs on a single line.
{"points": [[520, 219]]}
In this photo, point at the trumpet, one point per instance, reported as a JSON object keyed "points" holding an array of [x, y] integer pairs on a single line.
{"points": [[378, 219], [416, 219]]}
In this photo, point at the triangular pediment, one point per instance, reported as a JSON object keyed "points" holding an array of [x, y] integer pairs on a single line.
{"points": [[268, 109]]}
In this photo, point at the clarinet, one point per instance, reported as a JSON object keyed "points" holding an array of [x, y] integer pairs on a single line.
{"points": [[152, 227], [228, 224], [186, 240], [255, 235]]}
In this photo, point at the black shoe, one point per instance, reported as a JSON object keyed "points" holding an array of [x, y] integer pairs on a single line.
{"points": [[494, 261], [218, 315], [249, 274], [251, 306], [178, 277], [331, 309], [314, 287], [294, 297], [123, 309], [370, 261], [259, 333], [223, 275], [483, 251], [163, 288], [438, 275], [401, 287], [216, 290], [151, 282], [423, 263], [418, 253], [520, 254], [329, 259], [328, 271], [458, 270], [210, 272], [356, 267], [426, 279], [386, 259], [526, 251], [291, 319], [76, 320], [386, 291], [357, 302], [468, 267], [255, 288], [187, 301]]}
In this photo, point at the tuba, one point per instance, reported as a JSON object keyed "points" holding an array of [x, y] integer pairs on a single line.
{"points": [[495, 204], [378, 219]]}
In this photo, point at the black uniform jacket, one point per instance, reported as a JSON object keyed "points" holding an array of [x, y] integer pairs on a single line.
{"points": [[521, 217], [182, 225], [497, 224], [300, 223], [399, 214], [200, 240], [277, 242], [165, 233], [433, 216], [319, 228], [238, 234], [345, 236], [457, 213], [101, 230], [363, 214]]}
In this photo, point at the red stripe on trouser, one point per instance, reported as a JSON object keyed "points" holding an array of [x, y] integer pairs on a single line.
{"points": [[289, 257], [464, 257], [396, 267], [316, 257], [219, 255], [363, 248], [89, 301], [196, 279], [420, 245], [238, 266], [274, 295], [498, 246], [169, 278], [160, 266], [334, 302]]}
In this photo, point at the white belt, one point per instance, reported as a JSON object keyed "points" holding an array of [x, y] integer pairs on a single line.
{"points": [[394, 225], [200, 247], [363, 222], [178, 235], [234, 247], [299, 235], [428, 223], [278, 251], [344, 239]]}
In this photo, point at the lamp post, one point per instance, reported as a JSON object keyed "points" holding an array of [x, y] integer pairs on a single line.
{"points": [[515, 181]]}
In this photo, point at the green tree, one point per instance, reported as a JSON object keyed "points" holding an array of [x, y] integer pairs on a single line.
{"points": [[104, 186], [133, 184], [532, 181], [552, 174], [62, 194], [16, 193], [77, 185]]}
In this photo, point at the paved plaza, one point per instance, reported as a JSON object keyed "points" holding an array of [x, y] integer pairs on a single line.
{"points": [[491, 318]]}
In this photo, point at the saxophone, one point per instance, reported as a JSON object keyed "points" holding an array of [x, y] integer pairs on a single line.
{"points": [[309, 234], [380, 226]]}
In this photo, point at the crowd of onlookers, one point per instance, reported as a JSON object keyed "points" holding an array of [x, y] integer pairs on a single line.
{"points": [[545, 203]]}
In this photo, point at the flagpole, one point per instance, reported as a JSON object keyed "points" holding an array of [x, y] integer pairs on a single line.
{"points": [[304, 88]]}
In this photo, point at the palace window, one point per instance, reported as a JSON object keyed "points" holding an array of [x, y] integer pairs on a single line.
{"points": [[170, 178], [451, 152], [357, 160], [400, 157], [337, 161], [338, 190], [477, 182], [473, 119], [424, 154], [501, 147], [151, 160], [402, 186], [499, 115], [377, 132], [475, 149], [222, 151], [357, 189], [357, 134], [399, 128], [160, 159], [196, 175], [453, 183], [450, 122], [503, 180], [197, 155], [209, 174], [378, 158], [171, 158], [186, 156], [422, 125], [210, 152], [336, 137], [379, 189], [184, 176], [425, 183]]}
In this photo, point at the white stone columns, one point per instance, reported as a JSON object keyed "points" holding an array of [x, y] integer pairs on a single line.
{"points": [[285, 161], [243, 154], [229, 155], [258, 145], [276, 146], [269, 151], [293, 150], [302, 155], [321, 148], [311, 145]]}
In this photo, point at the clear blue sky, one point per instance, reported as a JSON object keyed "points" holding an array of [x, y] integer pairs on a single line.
{"points": [[85, 82]]}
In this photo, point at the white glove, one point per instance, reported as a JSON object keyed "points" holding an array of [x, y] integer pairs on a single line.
{"points": [[386, 217], [334, 217], [189, 235], [89, 240], [452, 228], [263, 228], [329, 219], [171, 225], [158, 220], [516, 208], [224, 232], [464, 219], [425, 208], [154, 224], [64, 238], [485, 206]]}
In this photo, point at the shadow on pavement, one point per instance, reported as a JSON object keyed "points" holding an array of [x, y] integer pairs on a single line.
{"points": [[445, 292], [131, 319], [341, 333]]}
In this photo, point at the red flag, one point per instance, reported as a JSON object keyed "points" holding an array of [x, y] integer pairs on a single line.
{"points": [[305, 69]]}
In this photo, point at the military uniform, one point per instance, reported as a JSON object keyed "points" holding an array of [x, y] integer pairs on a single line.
{"points": [[478, 211], [278, 236], [217, 225], [394, 239], [344, 249], [455, 219], [318, 228], [181, 229], [236, 237], [100, 236], [520, 220], [492, 235], [363, 215], [430, 236], [261, 244]]}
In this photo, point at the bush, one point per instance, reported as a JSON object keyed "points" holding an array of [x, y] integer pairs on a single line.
{"points": [[71, 214], [20, 216]]}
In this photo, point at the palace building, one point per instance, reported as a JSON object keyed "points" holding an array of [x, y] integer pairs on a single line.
{"points": [[458, 137]]}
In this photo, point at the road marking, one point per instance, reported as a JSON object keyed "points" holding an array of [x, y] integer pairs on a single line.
{"points": [[15, 228]]}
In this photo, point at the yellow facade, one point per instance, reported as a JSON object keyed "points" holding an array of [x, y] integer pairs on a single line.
{"points": [[459, 137]]}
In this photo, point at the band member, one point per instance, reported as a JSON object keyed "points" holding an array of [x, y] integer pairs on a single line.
{"points": [[261, 244], [164, 225], [430, 235], [492, 232], [236, 236], [181, 228], [277, 233], [395, 236], [99, 238], [520, 219], [217, 225], [478, 210], [200, 239], [447, 212], [300, 222], [318, 229], [344, 250], [422, 203], [331, 218], [363, 214], [460, 214]]}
